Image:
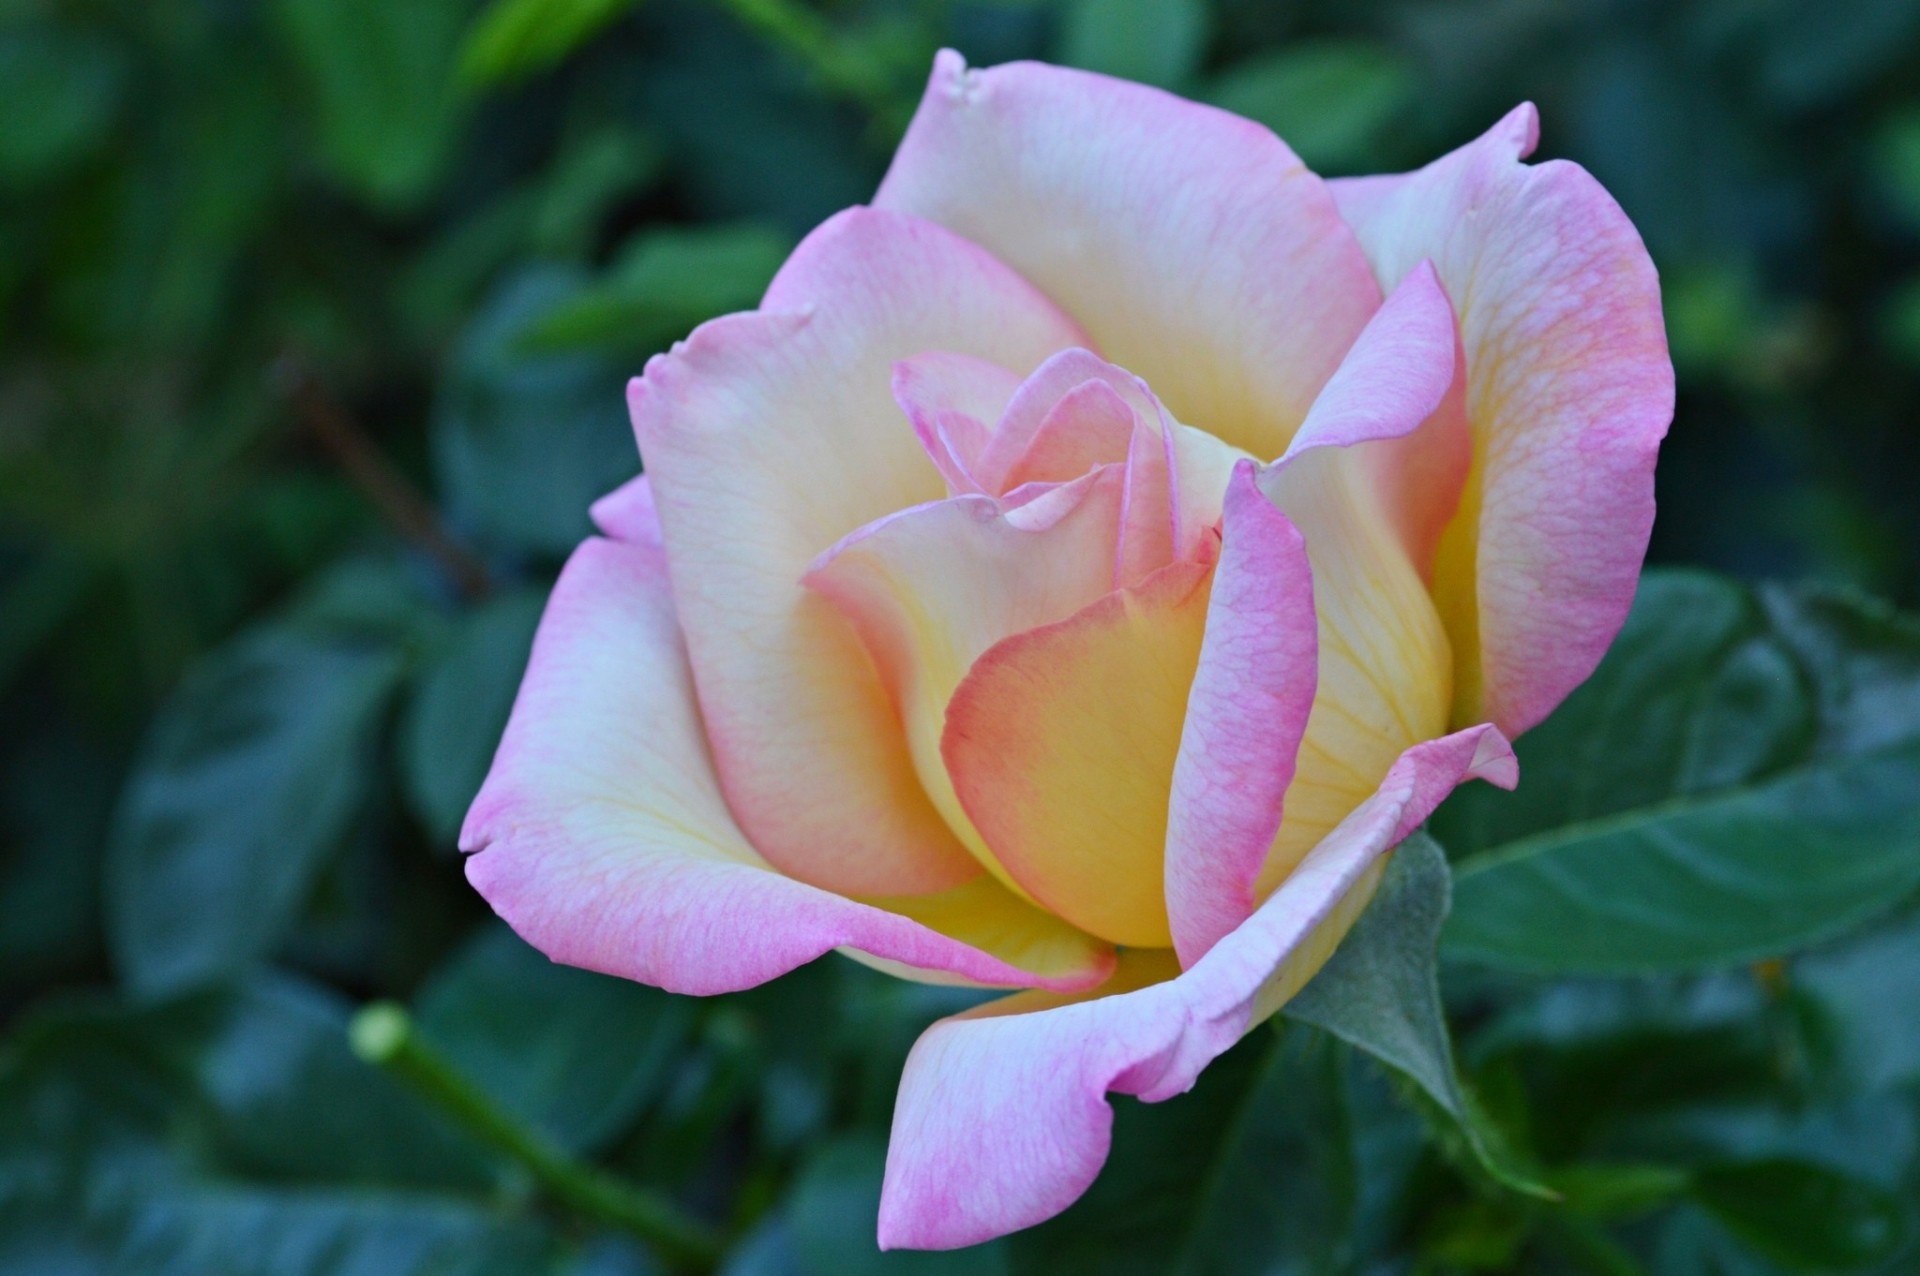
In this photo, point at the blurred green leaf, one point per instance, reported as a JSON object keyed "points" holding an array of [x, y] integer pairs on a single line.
{"points": [[587, 180], [578, 1054], [1900, 323], [664, 284], [514, 39], [459, 706], [59, 92], [523, 443], [1713, 794], [1336, 102], [1853, 985], [272, 1059], [1380, 992], [1157, 42], [120, 1129], [249, 778], [1804, 1217], [1896, 161], [1865, 662], [382, 79]]}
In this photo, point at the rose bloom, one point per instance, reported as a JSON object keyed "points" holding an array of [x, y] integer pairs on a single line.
{"points": [[1080, 572]]}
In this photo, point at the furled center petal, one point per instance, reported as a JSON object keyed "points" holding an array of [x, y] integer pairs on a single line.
{"points": [[1064, 584]]}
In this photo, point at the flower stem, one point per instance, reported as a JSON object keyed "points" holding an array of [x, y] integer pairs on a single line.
{"points": [[383, 1034]]}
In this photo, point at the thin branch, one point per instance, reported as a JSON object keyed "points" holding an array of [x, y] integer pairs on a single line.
{"points": [[379, 480], [382, 1033]]}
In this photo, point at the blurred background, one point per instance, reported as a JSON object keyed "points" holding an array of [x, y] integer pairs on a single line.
{"points": [[314, 321]]}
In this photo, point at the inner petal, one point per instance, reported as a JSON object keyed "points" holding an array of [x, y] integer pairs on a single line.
{"points": [[1061, 744]]}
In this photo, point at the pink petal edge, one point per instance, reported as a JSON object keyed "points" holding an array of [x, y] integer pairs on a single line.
{"points": [[1570, 390], [1246, 714]]}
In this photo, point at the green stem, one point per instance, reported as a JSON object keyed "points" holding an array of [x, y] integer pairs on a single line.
{"points": [[383, 1034]]}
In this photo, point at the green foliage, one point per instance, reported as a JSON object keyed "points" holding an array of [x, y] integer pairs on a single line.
{"points": [[1708, 796], [1380, 992], [1336, 102], [1154, 41], [381, 79], [70, 86], [251, 777], [579, 1055], [514, 39], [315, 318]]}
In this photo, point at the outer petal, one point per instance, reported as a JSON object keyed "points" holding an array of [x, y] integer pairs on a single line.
{"points": [[1246, 714], [601, 835], [768, 437], [1061, 744], [628, 513], [1569, 391], [1002, 1119], [1195, 247], [932, 588]]}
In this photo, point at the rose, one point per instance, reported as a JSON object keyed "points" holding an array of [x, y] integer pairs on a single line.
{"points": [[934, 636]]}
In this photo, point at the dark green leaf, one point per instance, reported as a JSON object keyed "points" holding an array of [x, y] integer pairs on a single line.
{"points": [[1289, 1156], [524, 443], [1298, 1115], [1380, 992], [459, 708], [1157, 42], [513, 39], [1732, 783], [293, 1101], [1854, 985], [1335, 102], [251, 1231], [1802, 1216], [117, 1129], [576, 1053], [249, 779]]}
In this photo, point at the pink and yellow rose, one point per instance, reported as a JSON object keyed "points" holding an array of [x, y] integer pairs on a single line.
{"points": [[1081, 571]]}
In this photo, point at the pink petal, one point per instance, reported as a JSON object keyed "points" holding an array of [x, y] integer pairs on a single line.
{"points": [[768, 436], [602, 837], [1002, 1119], [1384, 664], [1195, 247], [953, 401], [1402, 387], [1569, 392], [1090, 425], [1037, 397], [1246, 714], [1394, 377], [627, 513], [1149, 516]]}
